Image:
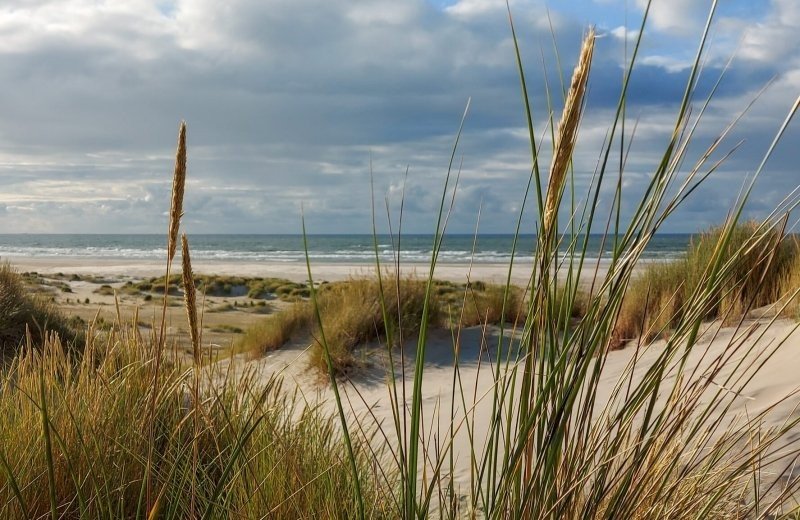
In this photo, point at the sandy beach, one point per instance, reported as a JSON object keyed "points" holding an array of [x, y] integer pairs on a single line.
{"points": [[294, 271], [367, 393], [774, 388]]}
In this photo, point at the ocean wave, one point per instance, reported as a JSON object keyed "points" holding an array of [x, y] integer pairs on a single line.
{"points": [[351, 255]]}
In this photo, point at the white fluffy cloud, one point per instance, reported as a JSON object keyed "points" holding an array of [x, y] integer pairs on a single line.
{"points": [[682, 17], [774, 38]]}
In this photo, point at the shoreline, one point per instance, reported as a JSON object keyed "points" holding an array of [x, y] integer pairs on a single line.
{"points": [[295, 271]]}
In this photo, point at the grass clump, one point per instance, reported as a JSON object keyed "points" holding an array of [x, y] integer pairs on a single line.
{"points": [[222, 286], [227, 328], [261, 452], [157, 285], [276, 330], [278, 287], [790, 285], [352, 316], [130, 289], [22, 313], [222, 307], [262, 307], [489, 304], [39, 283], [760, 258], [104, 290], [655, 300], [652, 303]]}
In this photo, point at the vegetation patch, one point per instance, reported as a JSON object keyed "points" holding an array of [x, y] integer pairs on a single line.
{"points": [[759, 269], [272, 453], [352, 314], [226, 328], [105, 290], [21, 311], [230, 286], [40, 283]]}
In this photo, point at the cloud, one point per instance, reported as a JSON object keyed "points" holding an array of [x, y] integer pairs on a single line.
{"points": [[623, 33], [668, 63], [289, 101], [680, 17], [774, 38]]}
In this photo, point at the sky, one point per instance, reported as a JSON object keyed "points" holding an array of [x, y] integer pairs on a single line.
{"points": [[291, 103]]}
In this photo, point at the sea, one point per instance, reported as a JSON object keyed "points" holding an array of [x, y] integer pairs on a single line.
{"points": [[351, 249]]}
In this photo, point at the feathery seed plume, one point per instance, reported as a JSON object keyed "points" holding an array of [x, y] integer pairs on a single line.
{"points": [[190, 297], [567, 133], [178, 183]]}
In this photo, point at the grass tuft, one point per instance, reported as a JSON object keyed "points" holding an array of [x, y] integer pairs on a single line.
{"points": [[761, 262], [293, 463], [21, 311]]}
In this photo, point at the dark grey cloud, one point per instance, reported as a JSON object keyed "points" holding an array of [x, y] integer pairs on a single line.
{"points": [[288, 102]]}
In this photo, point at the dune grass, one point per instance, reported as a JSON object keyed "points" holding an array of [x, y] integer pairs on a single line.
{"points": [[97, 457], [560, 440], [656, 447], [360, 312], [760, 275], [352, 316], [22, 312], [123, 432], [218, 285], [276, 330], [790, 285]]}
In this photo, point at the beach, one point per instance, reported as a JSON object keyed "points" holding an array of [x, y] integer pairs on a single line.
{"points": [[497, 273], [774, 389], [744, 369], [737, 348]]}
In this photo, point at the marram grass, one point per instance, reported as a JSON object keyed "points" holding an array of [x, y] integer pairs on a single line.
{"points": [[122, 433], [761, 276], [362, 312], [289, 463], [23, 313]]}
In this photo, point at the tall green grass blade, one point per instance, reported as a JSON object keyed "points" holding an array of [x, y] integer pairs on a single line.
{"points": [[12, 482], [332, 374], [419, 365]]}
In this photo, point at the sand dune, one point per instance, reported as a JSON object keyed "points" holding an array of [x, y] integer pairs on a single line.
{"points": [[368, 395]]}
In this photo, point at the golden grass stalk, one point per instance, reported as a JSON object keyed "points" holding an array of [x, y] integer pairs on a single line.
{"points": [[567, 133], [190, 297], [175, 213], [178, 183]]}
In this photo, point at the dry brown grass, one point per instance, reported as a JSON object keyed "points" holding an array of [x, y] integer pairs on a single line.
{"points": [[22, 312], [274, 331], [290, 467], [190, 298], [761, 261], [352, 316], [790, 284]]}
